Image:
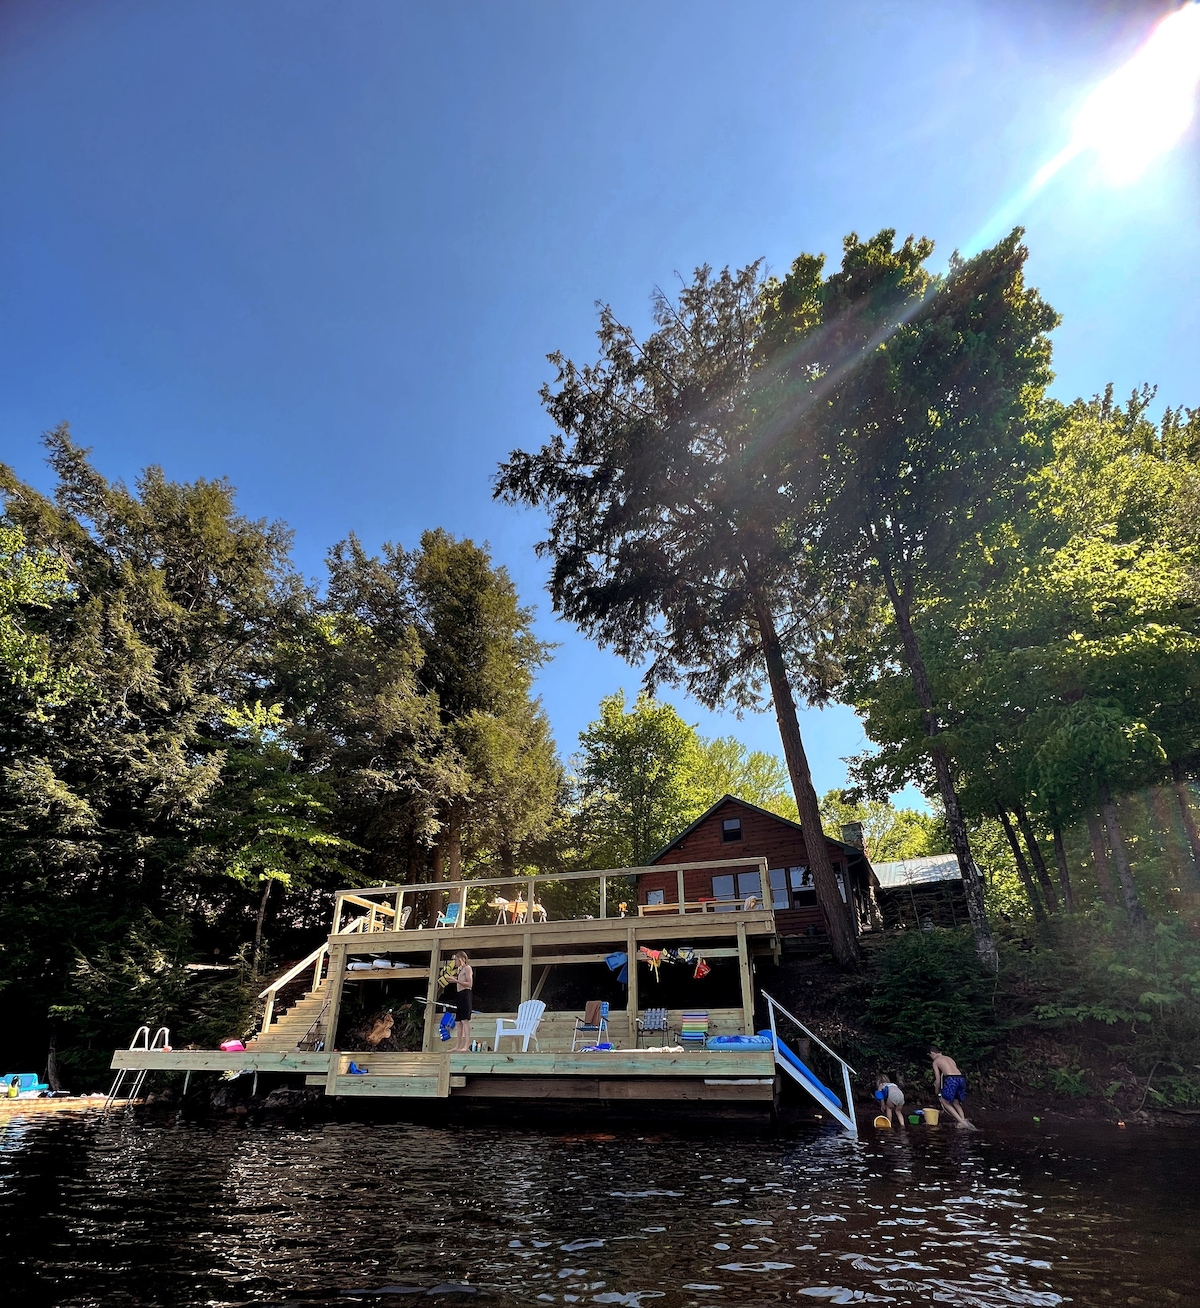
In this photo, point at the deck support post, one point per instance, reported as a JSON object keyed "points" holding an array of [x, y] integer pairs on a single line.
{"points": [[747, 982], [526, 962], [603, 896], [631, 963], [679, 889], [335, 978], [435, 964]]}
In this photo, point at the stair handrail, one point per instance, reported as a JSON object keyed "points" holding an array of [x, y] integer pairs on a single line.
{"points": [[849, 1118], [774, 1003], [274, 988]]}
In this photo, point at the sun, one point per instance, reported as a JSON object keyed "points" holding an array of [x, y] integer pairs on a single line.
{"points": [[1142, 110]]}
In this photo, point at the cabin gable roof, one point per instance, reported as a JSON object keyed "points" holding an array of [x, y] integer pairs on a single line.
{"points": [[850, 850]]}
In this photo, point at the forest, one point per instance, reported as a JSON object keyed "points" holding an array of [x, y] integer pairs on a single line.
{"points": [[850, 486]]}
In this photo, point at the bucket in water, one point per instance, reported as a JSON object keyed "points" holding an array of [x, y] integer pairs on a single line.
{"points": [[914, 1119], [932, 1116], [883, 1123]]}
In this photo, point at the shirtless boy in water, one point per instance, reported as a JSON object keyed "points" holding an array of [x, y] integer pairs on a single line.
{"points": [[950, 1084]]}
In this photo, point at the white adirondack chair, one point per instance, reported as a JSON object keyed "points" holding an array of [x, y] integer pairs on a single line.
{"points": [[523, 1027]]}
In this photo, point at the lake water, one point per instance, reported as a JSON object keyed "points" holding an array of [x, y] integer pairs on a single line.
{"points": [[164, 1212]]}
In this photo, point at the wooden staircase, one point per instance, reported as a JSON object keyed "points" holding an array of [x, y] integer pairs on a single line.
{"points": [[296, 1024]]}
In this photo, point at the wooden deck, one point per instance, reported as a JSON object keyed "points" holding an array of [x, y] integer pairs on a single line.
{"points": [[535, 949]]}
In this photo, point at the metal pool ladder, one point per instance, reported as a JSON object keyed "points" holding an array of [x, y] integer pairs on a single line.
{"points": [[141, 1041], [790, 1062]]}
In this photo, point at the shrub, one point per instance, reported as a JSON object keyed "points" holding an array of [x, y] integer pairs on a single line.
{"points": [[930, 989]]}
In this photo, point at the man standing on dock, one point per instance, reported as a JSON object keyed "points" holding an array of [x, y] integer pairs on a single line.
{"points": [[950, 1084], [464, 977]]}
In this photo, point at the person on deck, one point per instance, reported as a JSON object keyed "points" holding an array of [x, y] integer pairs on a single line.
{"points": [[464, 979], [891, 1099], [950, 1084]]}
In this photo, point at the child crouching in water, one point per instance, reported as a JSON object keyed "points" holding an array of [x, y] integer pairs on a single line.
{"points": [[891, 1099]]}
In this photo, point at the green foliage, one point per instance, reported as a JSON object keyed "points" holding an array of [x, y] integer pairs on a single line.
{"points": [[195, 747], [890, 834], [928, 988], [634, 771], [724, 766]]}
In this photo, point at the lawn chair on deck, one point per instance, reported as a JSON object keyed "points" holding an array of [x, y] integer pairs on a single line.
{"points": [[694, 1029], [523, 1027], [653, 1022], [450, 917], [595, 1018]]}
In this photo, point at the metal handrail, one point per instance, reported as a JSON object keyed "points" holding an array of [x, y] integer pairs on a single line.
{"points": [[811, 1035], [849, 1119]]}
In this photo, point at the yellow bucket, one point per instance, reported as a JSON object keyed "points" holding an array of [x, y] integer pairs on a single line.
{"points": [[932, 1116], [882, 1123]]}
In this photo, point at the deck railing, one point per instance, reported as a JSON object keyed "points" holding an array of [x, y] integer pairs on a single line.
{"points": [[385, 905], [315, 960]]}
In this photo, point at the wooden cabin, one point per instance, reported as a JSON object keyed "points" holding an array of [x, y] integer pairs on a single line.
{"points": [[733, 826]]}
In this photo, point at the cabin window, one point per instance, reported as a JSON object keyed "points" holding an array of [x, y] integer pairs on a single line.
{"points": [[778, 878], [731, 829], [656, 897], [749, 883], [804, 893], [800, 880], [723, 887]]}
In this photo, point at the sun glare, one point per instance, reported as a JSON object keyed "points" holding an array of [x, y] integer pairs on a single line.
{"points": [[1142, 110]]}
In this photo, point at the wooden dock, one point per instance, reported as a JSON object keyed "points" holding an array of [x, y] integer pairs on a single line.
{"points": [[517, 957]]}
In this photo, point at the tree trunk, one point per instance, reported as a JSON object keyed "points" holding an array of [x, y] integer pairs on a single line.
{"points": [[1035, 856], [985, 944], [52, 1059], [1133, 904], [258, 926], [1100, 860], [1158, 810], [454, 836], [1064, 872], [1184, 799], [439, 858], [837, 913], [508, 862], [1035, 901]]}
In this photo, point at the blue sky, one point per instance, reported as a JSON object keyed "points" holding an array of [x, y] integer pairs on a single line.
{"points": [[323, 248]]}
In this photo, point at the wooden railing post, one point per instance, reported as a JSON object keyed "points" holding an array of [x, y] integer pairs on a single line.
{"points": [[631, 963], [435, 963], [603, 896], [527, 961], [268, 1013], [747, 983], [679, 889]]}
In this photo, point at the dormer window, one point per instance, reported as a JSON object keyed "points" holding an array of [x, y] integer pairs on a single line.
{"points": [[731, 829]]}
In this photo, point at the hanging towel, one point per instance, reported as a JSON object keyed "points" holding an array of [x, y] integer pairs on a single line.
{"points": [[616, 961], [702, 970], [591, 1012]]}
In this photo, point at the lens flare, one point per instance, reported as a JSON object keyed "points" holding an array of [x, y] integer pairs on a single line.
{"points": [[1142, 110]]}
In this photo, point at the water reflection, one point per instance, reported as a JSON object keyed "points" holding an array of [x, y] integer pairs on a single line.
{"points": [[174, 1213]]}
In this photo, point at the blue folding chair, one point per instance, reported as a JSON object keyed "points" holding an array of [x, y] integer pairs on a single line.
{"points": [[450, 917], [600, 1028]]}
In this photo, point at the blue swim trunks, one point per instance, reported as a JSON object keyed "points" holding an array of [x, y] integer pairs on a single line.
{"points": [[954, 1087]]}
